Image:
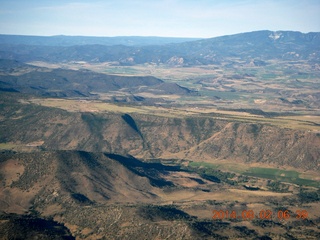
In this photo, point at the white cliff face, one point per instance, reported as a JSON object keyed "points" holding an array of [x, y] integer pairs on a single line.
{"points": [[175, 60], [275, 35]]}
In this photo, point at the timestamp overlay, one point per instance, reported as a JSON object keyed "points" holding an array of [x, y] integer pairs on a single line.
{"points": [[262, 214]]}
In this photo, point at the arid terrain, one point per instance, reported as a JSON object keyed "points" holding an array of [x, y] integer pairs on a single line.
{"points": [[222, 146]]}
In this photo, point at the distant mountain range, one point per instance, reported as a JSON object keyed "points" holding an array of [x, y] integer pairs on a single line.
{"points": [[62, 40], [259, 46]]}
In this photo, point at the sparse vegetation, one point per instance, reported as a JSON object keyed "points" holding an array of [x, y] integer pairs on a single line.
{"points": [[146, 142], [307, 196]]}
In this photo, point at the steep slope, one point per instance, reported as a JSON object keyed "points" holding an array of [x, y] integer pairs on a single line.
{"points": [[90, 195], [56, 194], [193, 138], [66, 177]]}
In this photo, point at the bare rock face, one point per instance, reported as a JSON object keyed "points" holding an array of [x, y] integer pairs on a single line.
{"points": [[175, 61]]}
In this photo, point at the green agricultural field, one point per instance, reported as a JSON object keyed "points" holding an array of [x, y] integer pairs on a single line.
{"points": [[203, 164], [273, 172], [281, 175]]}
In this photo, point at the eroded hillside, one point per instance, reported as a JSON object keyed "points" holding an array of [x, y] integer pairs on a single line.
{"points": [[97, 195], [197, 138], [211, 139]]}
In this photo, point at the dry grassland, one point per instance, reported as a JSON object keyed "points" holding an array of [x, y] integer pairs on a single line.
{"points": [[241, 85], [301, 122], [187, 196]]}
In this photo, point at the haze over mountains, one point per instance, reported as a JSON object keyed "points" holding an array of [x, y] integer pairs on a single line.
{"points": [[261, 45], [62, 40]]}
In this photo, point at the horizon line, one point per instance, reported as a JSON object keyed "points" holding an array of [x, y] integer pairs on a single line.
{"points": [[147, 36]]}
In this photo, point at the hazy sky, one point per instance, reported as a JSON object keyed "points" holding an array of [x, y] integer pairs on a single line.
{"points": [[176, 18]]}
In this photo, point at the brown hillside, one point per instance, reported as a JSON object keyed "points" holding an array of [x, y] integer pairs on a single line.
{"points": [[97, 196], [45, 178], [195, 138]]}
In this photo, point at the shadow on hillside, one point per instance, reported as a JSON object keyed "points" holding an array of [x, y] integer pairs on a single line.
{"points": [[14, 226], [150, 170]]}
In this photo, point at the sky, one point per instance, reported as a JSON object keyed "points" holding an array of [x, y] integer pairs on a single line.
{"points": [[166, 18]]}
